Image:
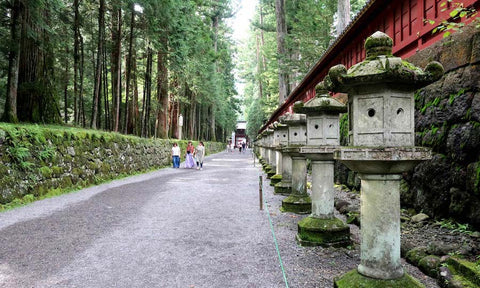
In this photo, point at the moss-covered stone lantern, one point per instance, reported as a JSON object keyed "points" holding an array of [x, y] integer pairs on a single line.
{"points": [[280, 136], [298, 201], [323, 137], [381, 133], [271, 156], [284, 187]]}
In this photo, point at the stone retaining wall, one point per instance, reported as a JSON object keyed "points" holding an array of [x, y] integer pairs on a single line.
{"points": [[448, 120], [36, 159]]}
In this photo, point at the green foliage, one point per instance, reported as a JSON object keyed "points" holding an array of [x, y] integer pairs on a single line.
{"points": [[344, 129], [455, 226], [309, 34], [47, 154], [458, 12]]}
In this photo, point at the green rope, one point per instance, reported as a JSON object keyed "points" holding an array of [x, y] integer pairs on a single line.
{"points": [[275, 241]]}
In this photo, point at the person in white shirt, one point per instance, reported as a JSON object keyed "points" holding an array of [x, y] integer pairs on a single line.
{"points": [[176, 156]]}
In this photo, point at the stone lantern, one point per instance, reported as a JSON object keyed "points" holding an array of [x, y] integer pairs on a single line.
{"points": [[280, 138], [265, 149], [323, 137], [284, 187], [298, 201], [271, 167], [381, 133]]}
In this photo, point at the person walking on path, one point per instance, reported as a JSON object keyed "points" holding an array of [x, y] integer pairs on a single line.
{"points": [[200, 155], [189, 163], [176, 155]]}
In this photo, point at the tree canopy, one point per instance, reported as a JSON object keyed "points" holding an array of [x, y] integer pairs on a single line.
{"points": [[310, 31], [126, 66]]}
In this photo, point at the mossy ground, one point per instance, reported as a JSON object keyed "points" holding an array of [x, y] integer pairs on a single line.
{"points": [[353, 279]]}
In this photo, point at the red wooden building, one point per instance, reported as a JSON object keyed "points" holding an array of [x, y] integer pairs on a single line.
{"points": [[406, 21]]}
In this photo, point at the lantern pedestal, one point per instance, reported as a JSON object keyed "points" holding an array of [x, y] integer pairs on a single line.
{"points": [[284, 187], [299, 201], [322, 228]]}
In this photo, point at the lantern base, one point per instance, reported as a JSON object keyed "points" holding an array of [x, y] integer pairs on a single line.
{"points": [[283, 188], [323, 232], [353, 279], [277, 178], [298, 203]]}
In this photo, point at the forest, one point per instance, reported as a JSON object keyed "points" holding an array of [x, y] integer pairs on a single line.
{"points": [[134, 67], [272, 55], [126, 66]]}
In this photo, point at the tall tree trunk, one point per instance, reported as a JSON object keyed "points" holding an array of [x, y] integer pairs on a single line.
{"points": [[264, 60], [259, 71], [162, 123], [128, 112], [116, 63], [217, 72], [343, 14], [82, 74], [106, 103], [36, 98], [76, 60], [10, 112], [193, 109], [147, 93], [282, 55], [65, 88], [99, 67]]}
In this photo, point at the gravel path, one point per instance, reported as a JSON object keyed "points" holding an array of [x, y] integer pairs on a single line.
{"points": [[168, 228]]}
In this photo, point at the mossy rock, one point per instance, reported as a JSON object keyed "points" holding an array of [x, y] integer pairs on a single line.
{"points": [[416, 254], [429, 265], [277, 178], [283, 188], [271, 173], [323, 232], [353, 279], [105, 168], [353, 218], [300, 204], [46, 172], [57, 171], [468, 270]]}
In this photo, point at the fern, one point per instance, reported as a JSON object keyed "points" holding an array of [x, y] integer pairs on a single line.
{"points": [[18, 154], [47, 154]]}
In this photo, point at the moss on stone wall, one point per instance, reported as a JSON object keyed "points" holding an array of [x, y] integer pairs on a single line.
{"points": [[36, 160]]}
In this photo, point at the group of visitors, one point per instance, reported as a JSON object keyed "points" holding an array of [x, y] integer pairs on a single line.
{"points": [[193, 155]]}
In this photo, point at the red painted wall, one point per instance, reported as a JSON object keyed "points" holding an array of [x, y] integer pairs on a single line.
{"points": [[403, 20]]}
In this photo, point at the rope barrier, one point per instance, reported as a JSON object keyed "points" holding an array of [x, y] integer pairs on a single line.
{"points": [[276, 243]]}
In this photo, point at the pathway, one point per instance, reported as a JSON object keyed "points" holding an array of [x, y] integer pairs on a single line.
{"points": [[168, 228]]}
